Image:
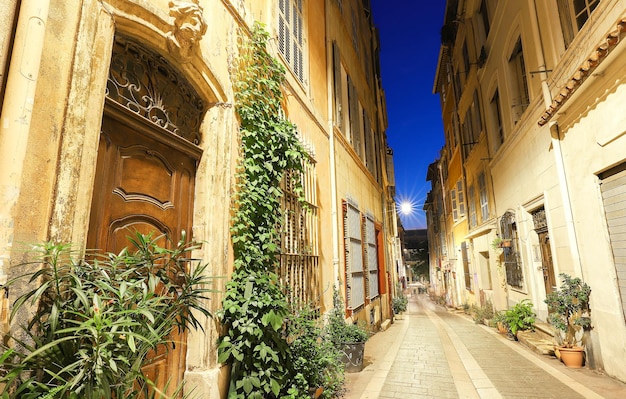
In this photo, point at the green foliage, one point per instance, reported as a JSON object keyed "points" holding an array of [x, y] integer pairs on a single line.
{"points": [[314, 357], [399, 303], [255, 308], [340, 332], [520, 317], [499, 317], [98, 318], [482, 313], [569, 306]]}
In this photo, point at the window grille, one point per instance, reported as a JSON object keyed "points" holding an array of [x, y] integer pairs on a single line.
{"points": [[540, 221], [133, 77], [355, 277], [291, 36], [299, 259], [512, 262]]}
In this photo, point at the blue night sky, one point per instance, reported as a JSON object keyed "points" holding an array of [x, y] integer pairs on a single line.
{"points": [[409, 34]]}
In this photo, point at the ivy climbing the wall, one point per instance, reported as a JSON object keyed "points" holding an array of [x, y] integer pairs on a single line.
{"points": [[254, 306]]}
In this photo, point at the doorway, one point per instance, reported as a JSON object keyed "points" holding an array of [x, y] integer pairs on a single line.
{"points": [[146, 169], [142, 185], [541, 228]]}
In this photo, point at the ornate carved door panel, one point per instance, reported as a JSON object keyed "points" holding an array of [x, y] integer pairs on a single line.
{"points": [[144, 185], [146, 166]]}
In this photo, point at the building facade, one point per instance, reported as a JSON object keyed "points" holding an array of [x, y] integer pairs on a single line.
{"points": [[530, 94], [119, 115]]}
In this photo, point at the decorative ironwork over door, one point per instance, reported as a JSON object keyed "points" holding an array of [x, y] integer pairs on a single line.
{"points": [[541, 227]]}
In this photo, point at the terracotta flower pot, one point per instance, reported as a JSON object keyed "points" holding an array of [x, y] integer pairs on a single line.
{"points": [[572, 357]]}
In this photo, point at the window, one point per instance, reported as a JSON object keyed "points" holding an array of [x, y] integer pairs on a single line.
{"points": [[497, 118], [371, 251], [457, 201], [466, 266], [355, 32], [371, 160], [355, 278], [466, 60], [573, 15], [484, 202], [477, 122], [519, 81], [512, 263], [458, 89], [471, 203], [468, 140], [299, 257], [338, 73], [484, 16], [356, 119], [454, 204], [291, 36]]}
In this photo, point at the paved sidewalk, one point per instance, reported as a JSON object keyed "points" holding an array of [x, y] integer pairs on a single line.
{"points": [[433, 353]]}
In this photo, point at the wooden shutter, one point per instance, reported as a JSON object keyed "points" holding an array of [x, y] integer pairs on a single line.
{"points": [[613, 188]]}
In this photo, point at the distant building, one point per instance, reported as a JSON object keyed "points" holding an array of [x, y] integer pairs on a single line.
{"points": [[415, 254], [120, 114], [531, 95]]}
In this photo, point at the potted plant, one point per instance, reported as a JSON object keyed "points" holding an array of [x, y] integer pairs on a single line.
{"points": [[399, 303], [349, 338], [500, 320], [520, 317], [569, 313]]}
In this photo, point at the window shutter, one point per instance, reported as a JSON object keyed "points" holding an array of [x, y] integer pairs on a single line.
{"points": [[337, 82]]}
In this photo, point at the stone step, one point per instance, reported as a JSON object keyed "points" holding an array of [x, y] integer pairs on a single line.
{"points": [[537, 341]]}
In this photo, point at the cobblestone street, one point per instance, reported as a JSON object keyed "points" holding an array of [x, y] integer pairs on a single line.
{"points": [[434, 353]]}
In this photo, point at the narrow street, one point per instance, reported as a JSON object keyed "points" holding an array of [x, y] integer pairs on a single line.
{"points": [[434, 353]]}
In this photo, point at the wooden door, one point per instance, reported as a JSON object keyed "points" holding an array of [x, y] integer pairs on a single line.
{"points": [[549, 278], [144, 182]]}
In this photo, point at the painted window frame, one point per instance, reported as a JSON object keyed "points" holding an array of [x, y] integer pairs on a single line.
{"points": [[483, 197], [293, 47], [573, 15], [520, 95]]}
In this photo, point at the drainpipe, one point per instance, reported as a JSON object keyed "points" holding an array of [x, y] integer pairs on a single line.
{"points": [[16, 114], [331, 138], [556, 144]]}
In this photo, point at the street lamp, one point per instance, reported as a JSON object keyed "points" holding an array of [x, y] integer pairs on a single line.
{"points": [[406, 208]]}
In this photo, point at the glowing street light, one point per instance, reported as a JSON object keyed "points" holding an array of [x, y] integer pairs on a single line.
{"points": [[406, 208]]}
